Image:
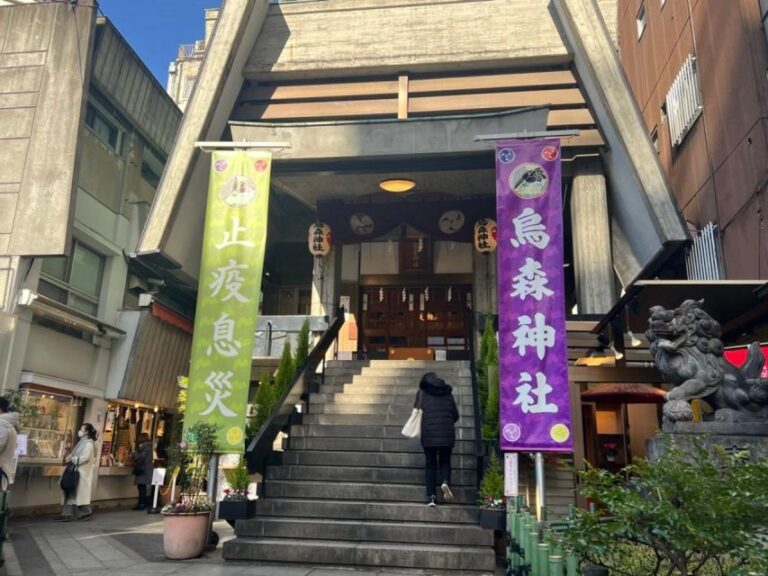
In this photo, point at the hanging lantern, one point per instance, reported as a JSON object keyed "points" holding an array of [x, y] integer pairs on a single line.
{"points": [[319, 239], [485, 235]]}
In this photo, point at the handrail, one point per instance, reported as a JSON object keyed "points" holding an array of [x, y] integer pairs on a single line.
{"points": [[260, 447], [479, 452]]}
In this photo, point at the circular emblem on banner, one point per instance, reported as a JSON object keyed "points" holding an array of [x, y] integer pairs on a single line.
{"points": [[549, 153], [235, 435], [506, 155], [560, 433], [529, 181], [512, 432], [260, 165], [238, 191], [220, 165]]}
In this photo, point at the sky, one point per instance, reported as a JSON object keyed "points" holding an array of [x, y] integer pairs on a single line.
{"points": [[155, 28]]}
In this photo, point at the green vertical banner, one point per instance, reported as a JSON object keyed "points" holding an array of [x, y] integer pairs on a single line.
{"points": [[228, 294]]}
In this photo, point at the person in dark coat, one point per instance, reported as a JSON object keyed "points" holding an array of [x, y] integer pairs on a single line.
{"points": [[438, 433], [143, 468]]}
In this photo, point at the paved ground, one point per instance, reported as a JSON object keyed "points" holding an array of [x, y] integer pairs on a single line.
{"points": [[122, 543]]}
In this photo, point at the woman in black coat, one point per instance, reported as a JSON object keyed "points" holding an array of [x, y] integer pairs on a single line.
{"points": [[438, 435], [143, 468]]}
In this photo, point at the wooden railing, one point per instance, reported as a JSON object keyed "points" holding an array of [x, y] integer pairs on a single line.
{"points": [[259, 449]]}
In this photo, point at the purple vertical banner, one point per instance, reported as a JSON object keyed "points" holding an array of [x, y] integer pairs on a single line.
{"points": [[535, 409]]}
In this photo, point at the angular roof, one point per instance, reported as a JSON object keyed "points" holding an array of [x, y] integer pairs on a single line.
{"points": [[305, 42]]}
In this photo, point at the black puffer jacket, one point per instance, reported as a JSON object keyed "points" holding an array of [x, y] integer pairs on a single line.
{"points": [[439, 412]]}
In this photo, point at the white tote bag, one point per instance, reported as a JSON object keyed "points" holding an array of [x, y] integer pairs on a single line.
{"points": [[412, 428]]}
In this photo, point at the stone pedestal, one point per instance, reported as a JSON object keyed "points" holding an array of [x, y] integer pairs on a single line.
{"points": [[730, 436]]}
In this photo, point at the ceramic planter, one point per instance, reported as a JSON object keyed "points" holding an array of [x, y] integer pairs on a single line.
{"points": [[493, 519], [231, 510], [185, 535]]}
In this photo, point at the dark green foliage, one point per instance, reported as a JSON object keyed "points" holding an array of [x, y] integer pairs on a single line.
{"points": [[488, 382], [286, 371], [491, 412], [488, 337], [265, 401], [692, 512], [302, 345], [195, 452], [491, 492], [238, 478]]}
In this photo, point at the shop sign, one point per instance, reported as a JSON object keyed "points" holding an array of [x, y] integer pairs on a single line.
{"points": [[535, 403], [228, 293], [158, 476], [511, 474]]}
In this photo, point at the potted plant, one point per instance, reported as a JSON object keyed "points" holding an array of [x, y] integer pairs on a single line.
{"points": [[185, 523], [236, 505], [493, 506]]}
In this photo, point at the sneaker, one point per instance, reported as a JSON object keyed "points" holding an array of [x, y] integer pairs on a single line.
{"points": [[63, 519], [86, 516], [432, 502], [447, 494]]}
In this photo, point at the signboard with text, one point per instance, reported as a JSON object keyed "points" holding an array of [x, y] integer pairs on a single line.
{"points": [[535, 404], [228, 294]]}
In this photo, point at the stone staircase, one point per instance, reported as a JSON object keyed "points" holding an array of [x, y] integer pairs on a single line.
{"points": [[350, 489]]}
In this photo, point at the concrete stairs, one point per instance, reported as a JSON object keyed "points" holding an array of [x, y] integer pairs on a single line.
{"points": [[349, 490]]}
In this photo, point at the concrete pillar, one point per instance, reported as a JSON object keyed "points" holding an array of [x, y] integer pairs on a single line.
{"points": [[326, 281], [15, 272], [591, 233]]}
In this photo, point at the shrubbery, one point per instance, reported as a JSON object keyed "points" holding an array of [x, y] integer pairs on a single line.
{"points": [[690, 512]]}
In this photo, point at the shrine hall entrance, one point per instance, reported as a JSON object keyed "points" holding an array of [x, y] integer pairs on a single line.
{"points": [[425, 321]]}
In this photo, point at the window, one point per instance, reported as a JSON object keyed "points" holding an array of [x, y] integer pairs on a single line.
{"points": [[105, 129], [74, 280], [186, 88], [641, 21], [151, 166], [683, 102], [704, 258]]}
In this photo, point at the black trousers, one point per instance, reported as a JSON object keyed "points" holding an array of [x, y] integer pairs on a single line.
{"points": [[143, 500], [437, 458]]}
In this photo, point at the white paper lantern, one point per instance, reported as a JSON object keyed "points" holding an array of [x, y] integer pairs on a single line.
{"points": [[485, 235], [319, 239]]}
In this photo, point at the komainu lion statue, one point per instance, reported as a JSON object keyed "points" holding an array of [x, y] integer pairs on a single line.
{"points": [[686, 346]]}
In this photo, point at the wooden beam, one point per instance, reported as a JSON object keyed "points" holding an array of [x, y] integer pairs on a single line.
{"points": [[493, 81], [585, 138], [278, 92], [497, 100], [342, 109], [570, 117], [402, 98]]}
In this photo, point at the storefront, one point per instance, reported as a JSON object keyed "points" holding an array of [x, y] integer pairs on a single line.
{"points": [[124, 424]]}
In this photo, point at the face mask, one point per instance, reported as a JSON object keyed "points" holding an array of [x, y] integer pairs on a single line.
{"points": [[80, 433]]}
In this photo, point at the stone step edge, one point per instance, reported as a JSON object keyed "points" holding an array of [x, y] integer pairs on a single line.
{"points": [[375, 503], [367, 522], [375, 545]]}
